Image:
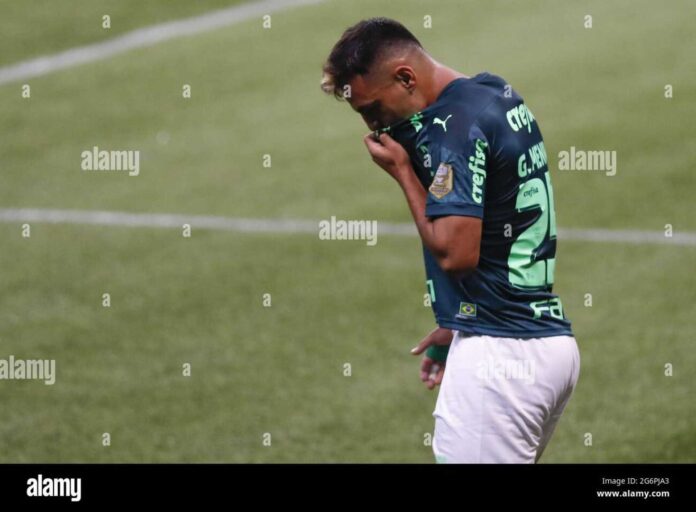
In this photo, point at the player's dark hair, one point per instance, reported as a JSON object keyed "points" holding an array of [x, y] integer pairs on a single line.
{"points": [[358, 48]]}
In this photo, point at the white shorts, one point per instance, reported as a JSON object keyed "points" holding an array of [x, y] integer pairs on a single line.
{"points": [[500, 398]]}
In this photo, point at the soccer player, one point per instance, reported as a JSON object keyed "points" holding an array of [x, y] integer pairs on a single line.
{"points": [[468, 154]]}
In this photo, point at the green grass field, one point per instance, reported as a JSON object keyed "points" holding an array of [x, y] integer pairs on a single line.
{"points": [[199, 300]]}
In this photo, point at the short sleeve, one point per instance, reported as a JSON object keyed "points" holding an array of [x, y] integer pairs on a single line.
{"points": [[459, 183]]}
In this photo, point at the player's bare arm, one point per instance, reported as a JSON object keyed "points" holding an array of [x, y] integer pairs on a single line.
{"points": [[453, 240]]}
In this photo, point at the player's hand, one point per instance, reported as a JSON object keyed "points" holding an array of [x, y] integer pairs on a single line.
{"points": [[431, 371], [388, 154]]}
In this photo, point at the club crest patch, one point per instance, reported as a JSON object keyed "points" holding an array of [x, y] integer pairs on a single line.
{"points": [[442, 182]]}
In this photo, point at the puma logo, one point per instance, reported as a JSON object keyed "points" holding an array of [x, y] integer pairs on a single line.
{"points": [[443, 123]]}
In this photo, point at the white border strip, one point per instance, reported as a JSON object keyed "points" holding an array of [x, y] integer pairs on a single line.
{"points": [[144, 37], [167, 220]]}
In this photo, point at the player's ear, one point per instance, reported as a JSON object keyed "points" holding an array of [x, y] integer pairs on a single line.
{"points": [[406, 79]]}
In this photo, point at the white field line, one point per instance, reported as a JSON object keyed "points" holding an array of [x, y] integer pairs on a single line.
{"points": [[167, 220], [143, 37]]}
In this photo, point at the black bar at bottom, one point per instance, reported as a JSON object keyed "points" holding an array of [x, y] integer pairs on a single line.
{"points": [[76, 485]]}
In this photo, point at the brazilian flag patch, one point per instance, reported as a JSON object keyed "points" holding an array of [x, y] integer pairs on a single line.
{"points": [[467, 309]]}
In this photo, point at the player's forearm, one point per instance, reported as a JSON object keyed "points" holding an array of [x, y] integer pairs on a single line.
{"points": [[445, 244], [416, 197]]}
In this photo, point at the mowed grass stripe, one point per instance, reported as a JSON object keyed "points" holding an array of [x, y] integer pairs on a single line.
{"points": [[174, 220]]}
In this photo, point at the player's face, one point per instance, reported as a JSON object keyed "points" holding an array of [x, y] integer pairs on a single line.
{"points": [[381, 102]]}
